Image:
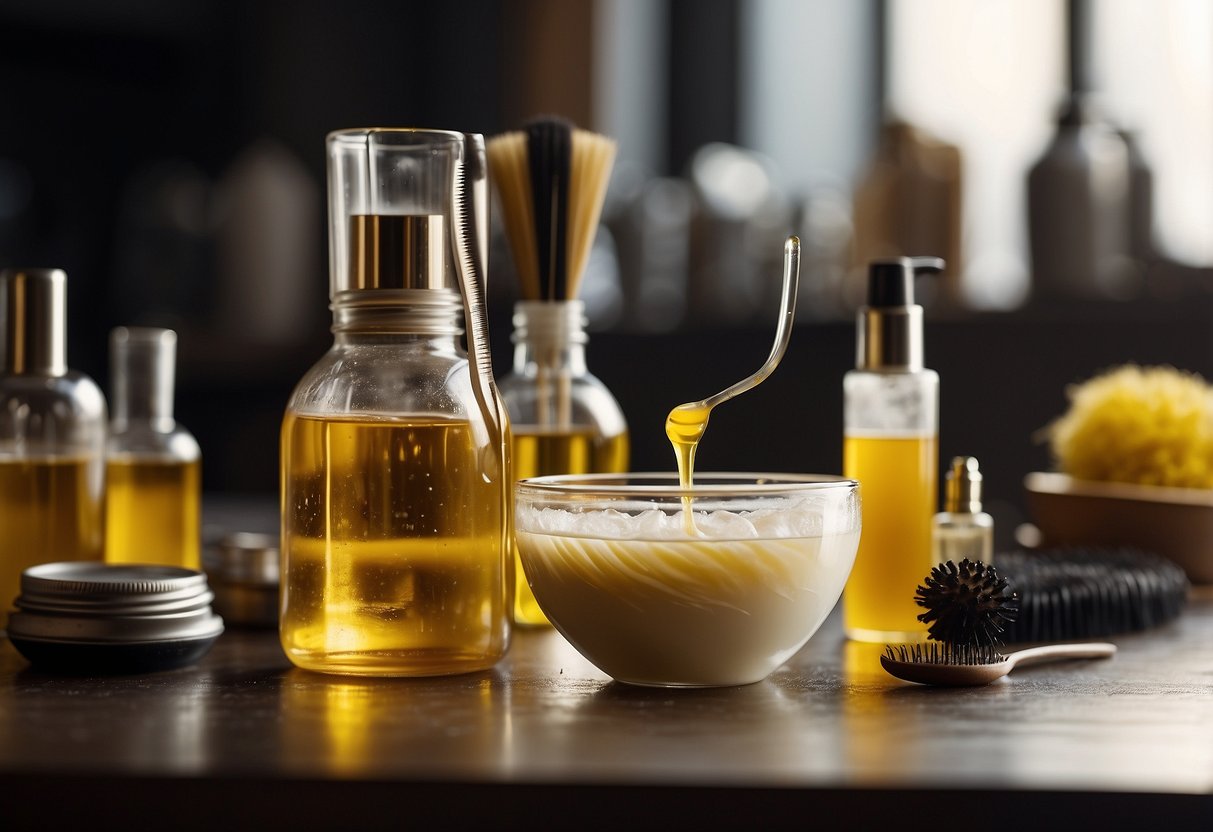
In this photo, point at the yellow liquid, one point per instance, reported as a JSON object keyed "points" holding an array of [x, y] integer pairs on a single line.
{"points": [[394, 561], [539, 452], [684, 427], [50, 510], [898, 481], [152, 511]]}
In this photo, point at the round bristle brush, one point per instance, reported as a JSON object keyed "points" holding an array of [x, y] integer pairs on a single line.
{"points": [[967, 604]]}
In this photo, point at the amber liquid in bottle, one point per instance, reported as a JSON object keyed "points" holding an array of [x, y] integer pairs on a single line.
{"points": [[152, 511], [392, 537], [539, 452], [50, 510], [898, 487]]}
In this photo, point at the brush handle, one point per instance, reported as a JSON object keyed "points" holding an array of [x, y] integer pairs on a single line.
{"points": [[1059, 652]]}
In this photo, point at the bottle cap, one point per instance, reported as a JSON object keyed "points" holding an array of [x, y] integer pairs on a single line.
{"points": [[91, 617], [33, 307], [962, 488], [889, 334]]}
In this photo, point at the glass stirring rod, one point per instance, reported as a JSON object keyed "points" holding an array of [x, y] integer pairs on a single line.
{"points": [[686, 423]]}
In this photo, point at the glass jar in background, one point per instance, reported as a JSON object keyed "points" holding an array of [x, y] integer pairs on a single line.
{"points": [[153, 478], [563, 419], [52, 434], [395, 474]]}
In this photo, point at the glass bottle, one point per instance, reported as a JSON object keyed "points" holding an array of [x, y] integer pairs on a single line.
{"points": [[962, 530], [153, 485], [563, 419], [890, 445], [52, 434], [395, 454]]}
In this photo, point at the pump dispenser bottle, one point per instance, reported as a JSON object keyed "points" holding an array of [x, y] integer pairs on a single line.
{"points": [[890, 445], [52, 434], [153, 489], [962, 529], [395, 465]]}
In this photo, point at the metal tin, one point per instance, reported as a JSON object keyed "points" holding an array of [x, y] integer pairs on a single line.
{"points": [[95, 617], [244, 574]]}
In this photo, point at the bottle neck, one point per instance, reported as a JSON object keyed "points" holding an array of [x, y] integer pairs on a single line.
{"points": [[370, 315], [549, 335], [33, 309], [142, 366]]}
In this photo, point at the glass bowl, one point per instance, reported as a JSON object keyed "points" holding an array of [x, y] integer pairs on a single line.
{"points": [[653, 600]]}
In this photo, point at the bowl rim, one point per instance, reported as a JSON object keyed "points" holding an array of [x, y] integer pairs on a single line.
{"points": [[1059, 484], [707, 484]]}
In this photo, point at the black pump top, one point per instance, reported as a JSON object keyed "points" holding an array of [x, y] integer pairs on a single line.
{"points": [[891, 282]]}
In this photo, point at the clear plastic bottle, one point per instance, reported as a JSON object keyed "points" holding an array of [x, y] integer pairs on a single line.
{"points": [[891, 446], [153, 485], [563, 419], [395, 454], [52, 434], [962, 529]]}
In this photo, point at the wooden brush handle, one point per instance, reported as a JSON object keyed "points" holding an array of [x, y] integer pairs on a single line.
{"points": [[1059, 652]]}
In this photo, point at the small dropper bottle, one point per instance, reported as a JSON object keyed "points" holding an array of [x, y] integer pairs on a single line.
{"points": [[962, 529], [152, 472]]}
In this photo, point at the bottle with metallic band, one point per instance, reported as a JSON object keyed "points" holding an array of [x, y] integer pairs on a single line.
{"points": [[52, 434], [395, 462], [962, 530], [153, 488], [890, 445]]}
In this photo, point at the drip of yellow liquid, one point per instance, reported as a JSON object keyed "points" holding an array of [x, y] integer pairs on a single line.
{"points": [[686, 423], [684, 427]]}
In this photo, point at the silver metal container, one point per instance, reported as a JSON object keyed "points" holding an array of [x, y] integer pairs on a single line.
{"points": [[244, 573], [91, 617]]}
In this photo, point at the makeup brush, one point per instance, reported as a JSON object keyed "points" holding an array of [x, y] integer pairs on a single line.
{"points": [[551, 180]]}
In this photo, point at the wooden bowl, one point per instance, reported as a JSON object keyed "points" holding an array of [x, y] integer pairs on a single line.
{"points": [[1176, 523]]}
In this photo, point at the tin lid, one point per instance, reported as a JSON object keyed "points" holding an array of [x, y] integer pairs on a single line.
{"points": [[96, 603]]}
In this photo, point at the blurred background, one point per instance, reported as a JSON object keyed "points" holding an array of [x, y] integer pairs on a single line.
{"points": [[1059, 155]]}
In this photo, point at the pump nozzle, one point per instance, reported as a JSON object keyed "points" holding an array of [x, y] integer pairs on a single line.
{"points": [[891, 282], [890, 326]]}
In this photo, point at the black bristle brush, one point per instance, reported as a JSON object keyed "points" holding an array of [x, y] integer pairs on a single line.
{"points": [[969, 609], [967, 605]]}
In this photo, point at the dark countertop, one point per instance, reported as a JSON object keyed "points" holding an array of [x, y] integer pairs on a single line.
{"points": [[242, 739]]}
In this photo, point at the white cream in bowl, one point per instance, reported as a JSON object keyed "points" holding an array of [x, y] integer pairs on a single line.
{"points": [[652, 603]]}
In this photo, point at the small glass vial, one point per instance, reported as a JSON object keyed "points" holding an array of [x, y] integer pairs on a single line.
{"points": [[962, 529], [153, 480], [563, 419], [395, 456], [52, 434]]}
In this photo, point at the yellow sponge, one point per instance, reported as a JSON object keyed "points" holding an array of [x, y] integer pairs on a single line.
{"points": [[1144, 425]]}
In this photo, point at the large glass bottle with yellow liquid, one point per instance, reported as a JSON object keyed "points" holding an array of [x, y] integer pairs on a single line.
{"points": [[52, 435], [395, 466], [890, 445], [563, 419], [153, 487]]}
